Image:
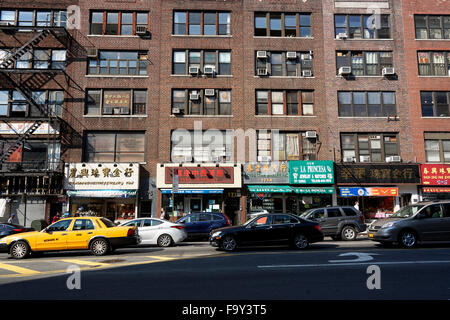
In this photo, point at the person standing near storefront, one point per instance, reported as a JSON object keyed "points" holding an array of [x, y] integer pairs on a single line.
{"points": [[163, 214], [356, 205]]}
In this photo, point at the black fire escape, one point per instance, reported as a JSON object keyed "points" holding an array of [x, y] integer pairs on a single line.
{"points": [[37, 177]]}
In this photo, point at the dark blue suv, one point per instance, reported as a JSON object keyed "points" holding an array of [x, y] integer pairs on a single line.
{"points": [[200, 224]]}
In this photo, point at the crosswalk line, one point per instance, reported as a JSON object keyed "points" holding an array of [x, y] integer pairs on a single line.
{"points": [[16, 269], [85, 262]]}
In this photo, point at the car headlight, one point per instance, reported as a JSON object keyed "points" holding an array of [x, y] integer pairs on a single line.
{"points": [[389, 224], [216, 234], [2, 240]]}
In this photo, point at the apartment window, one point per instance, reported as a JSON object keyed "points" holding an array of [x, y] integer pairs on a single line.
{"points": [[114, 147], [44, 18], [364, 63], [119, 63], [374, 147], [284, 102], [362, 26], [39, 59], [280, 64], [14, 104], [201, 102], [432, 26], [434, 63], [206, 23], [220, 61], [366, 104], [435, 103], [213, 146], [275, 24], [437, 146], [117, 23], [283, 146], [115, 102], [32, 18]]}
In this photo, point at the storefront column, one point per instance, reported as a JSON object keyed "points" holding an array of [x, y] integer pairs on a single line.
{"points": [[158, 203], [334, 198], [243, 206]]}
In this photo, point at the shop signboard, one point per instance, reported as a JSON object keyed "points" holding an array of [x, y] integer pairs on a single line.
{"points": [[101, 176], [435, 174], [266, 172], [311, 172], [436, 190], [22, 127], [377, 173], [374, 192], [102, 193], [200, 175]]}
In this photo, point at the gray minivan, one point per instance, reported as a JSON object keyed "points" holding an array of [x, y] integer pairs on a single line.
{"points": [[413, 224], [337, 222]]}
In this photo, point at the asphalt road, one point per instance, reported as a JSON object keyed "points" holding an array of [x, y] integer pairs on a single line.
{"points": [[195, 271]]}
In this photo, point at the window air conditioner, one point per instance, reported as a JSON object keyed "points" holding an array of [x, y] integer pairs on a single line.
{"points": [[176, 111], [345, 70], [92, 52], [193, 70], [348, 159], [141, 30], [306, 73], [364, 158], [261, 54], [393, 159], [262, 71], [306, 56], [194, 96], [291, 55], [311, 134], [209, 92], [208, 70], [341, 35], [388, 71]]}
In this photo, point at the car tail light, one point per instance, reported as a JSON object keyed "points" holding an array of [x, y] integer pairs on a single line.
{"points": [[177, 227], [19, 230], [318, 227], [131, 232]]}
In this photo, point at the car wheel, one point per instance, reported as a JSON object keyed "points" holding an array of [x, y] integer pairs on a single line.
{"points": [[99, 247], [164, 240], [348, 233], [228, 243], [407, 239], [19, 250], [301, 241]]}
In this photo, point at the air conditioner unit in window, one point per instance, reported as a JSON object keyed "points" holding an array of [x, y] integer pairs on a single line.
{"points": [[92, 52], [176, 110], [262, 71], [208, 70], [291, 55], [364, 158], [124, 110], [264, 158], [261, 54], [345, 70], [388, 71], [311, 134], [194, 96], [193, 70], [107, 110], [341, 35], [348, 159], [141, 30], [306, 73], [210, 92], [393, 159], [306, 56]]}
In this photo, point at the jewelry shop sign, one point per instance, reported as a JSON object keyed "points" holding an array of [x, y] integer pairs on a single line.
{"points": [[95, 176]]}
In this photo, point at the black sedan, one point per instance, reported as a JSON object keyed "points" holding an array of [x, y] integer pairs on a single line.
{"points": [[7, 229], [268, 229]]}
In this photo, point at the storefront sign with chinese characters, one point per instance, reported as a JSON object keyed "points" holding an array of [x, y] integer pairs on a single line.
{"points": [[200, 175], [266, 173], [101, 176], [377, 173], [311, 172], [436, 190], [435, 174]]}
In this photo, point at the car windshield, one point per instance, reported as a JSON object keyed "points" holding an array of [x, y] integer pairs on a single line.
{"points": [[304, 214], [407, 211]]}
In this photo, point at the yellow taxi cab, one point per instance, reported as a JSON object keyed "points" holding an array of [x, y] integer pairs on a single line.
{"points": [[97, 234]]}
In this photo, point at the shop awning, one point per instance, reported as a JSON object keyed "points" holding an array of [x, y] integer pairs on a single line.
{"points": [[193, 191], [288, 189], [102, 193]]}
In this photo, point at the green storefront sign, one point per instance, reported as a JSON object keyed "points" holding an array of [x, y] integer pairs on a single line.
{"points": [[311, 172]]}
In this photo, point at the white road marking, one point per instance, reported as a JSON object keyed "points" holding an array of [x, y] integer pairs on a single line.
{"points": [[352, 264], [361, 257]]}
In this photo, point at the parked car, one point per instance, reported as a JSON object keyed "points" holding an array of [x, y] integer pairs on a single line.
{"points": [[413, 224], [97, 234], [268, 229], [157, 231], [340, 223], [200, 224], [255, 213], [7, 229]]}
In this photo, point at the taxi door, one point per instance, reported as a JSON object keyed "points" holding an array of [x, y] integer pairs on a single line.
{"points": [[82, 231], [54, 237]]}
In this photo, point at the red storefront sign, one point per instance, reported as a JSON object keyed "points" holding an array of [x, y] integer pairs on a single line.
{"points": [[200, 175], [435, 174], [436, 190]]}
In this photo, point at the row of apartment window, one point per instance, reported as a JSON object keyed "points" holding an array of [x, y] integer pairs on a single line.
{"points": [[38, 59], [130, 147], [266, 24], [14, 104]]}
